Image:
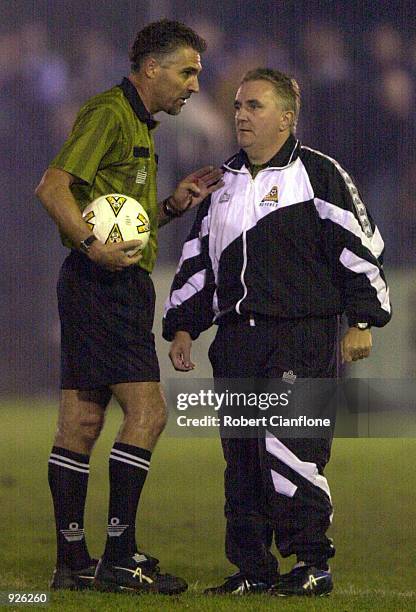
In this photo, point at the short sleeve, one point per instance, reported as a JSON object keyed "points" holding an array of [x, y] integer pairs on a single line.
{"points": [[94, 134]]}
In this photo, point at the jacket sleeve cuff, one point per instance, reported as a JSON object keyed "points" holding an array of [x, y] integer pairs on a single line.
{"points": [[353, 320], [169, 329]]}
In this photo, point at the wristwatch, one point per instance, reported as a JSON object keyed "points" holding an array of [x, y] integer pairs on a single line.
{"points": [[170, 211], [363, 325], [85, 245]]}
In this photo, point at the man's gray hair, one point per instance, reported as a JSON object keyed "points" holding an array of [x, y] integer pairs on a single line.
{"points": [[285, 87]]}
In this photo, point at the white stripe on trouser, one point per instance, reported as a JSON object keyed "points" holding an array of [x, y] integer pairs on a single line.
{"points": [[283, 485], [307, 469]]}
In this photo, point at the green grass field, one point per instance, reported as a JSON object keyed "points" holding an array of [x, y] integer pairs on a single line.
{"points": [[373, 486]]}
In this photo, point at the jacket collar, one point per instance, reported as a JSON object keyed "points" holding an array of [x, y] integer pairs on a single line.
{"points": [[285, 156], [136, 103]]}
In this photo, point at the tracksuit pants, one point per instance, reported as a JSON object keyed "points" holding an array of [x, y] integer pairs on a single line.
{"points": [[275, 487]]}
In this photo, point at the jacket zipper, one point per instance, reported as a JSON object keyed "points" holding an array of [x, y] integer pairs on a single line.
{"points": [[243, 269]]}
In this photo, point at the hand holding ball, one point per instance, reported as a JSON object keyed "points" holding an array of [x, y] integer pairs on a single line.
{"points": [[117, 218]]}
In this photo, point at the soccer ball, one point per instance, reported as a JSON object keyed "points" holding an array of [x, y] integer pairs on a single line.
{"points": [[117, 218]]}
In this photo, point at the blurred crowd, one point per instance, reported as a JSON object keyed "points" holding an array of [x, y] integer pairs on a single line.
{"points": [[358, 105]]}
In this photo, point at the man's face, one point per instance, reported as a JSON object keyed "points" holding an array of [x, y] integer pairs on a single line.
{"points": [[259, 115], [176, 80]]}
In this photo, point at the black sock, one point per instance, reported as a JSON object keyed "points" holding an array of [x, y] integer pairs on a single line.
{"points": [[68, 481], [128, 470]]}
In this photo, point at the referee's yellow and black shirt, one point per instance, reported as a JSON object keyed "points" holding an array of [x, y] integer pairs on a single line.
{"points": [[111, 150]]}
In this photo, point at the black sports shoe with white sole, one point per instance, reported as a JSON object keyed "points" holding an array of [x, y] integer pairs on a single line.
{"points": [[74, 580], [137, 573], [239, 584], [306, 580]]}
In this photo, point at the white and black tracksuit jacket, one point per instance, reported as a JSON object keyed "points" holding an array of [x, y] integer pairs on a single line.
{"points": [[294, 242]]}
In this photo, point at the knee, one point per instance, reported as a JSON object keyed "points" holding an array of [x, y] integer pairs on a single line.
{"points": [[90, 428], [160, 419], [156, 418], [85, 429], [152, 418]]}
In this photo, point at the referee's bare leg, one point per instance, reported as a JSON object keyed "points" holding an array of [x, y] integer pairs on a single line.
{"points": [[81, 416], [80, 420], [145, 413]]}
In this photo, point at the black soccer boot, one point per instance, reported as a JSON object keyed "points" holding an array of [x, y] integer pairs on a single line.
{"points": [[74, 580], [239, 584], [138, 573], [304, 580]]}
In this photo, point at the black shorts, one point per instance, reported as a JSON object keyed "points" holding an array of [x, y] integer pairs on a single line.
{"points": [[106, 325]]}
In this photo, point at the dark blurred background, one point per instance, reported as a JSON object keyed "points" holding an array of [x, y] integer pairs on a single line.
{"points": [[355, 62]]}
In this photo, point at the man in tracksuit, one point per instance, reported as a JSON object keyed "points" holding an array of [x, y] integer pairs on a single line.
{"points": [[274, 258]]}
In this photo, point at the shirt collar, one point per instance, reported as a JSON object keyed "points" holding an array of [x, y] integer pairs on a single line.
{"points": [[136, 103], [287, 154]]}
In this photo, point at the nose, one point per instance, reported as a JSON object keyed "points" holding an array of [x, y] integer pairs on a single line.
{"points": [[240, 115], [194, 85]]}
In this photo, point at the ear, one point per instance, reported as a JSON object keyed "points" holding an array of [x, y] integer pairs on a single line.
{"points": [[151, 67], [286, 120]]}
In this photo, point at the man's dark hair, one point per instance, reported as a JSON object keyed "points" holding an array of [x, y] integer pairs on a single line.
{"points": [[161, 38]]}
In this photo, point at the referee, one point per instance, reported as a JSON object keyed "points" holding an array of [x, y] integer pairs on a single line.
{"points": [[106, 305], [275, 256]]}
